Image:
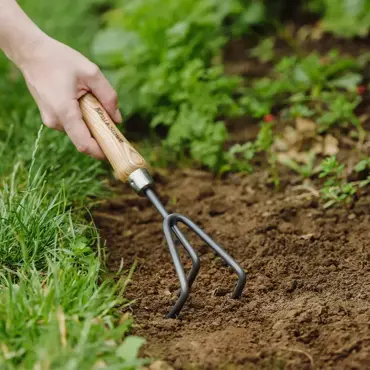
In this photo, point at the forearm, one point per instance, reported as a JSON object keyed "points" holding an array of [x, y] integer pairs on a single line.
{"points": [[19, 36]]}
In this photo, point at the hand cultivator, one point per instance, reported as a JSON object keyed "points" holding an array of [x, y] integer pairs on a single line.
{"points": [[130, 166]]}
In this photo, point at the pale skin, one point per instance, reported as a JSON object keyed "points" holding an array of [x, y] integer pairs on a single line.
{"points": [[56, 75]]}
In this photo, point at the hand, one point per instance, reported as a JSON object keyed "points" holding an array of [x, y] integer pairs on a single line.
{"points": [[57, 77]]}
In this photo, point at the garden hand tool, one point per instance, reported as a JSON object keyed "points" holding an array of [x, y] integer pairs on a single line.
{"points": [[131, 167]]}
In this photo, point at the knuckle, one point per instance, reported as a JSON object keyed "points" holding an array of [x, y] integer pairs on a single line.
{"points": [[83, 148], [93, 70], [110, 98], [69, 114], [50, 121], [73, 116]]}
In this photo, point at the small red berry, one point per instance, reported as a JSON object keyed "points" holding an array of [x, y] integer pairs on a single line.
{"points": [[361, 89], [269, 118]]}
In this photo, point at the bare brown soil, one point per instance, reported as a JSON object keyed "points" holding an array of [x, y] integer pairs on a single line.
{"points": [[306, 303]]}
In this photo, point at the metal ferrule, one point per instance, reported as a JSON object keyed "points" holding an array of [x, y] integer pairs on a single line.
{"points": [[140, 180]]}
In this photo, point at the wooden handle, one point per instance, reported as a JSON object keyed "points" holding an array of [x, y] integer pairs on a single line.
{"points": [[120, 153]]}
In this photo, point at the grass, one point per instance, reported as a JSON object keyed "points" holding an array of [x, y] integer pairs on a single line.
{"points": [[58, 308]]}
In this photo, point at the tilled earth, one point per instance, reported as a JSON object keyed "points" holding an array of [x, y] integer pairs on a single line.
{"points": [[306, 302]]}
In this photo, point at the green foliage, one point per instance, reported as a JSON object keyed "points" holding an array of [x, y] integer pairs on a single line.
{"points": [[166, 69], [340, 111], [330, 167], [346, 18], [60, 19], [64, 317], [249, 13], [336, 189], [264, 51], [323, 88], [363, 165], [128, 351], [239, 156], [306, 170], [170, 73], [57, 309], [54, 308]]}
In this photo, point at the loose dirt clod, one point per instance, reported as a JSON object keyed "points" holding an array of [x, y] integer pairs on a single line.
{"points": [[306, 303]]}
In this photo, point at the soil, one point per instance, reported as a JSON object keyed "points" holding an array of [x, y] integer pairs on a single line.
{"points": [[306, 302]]}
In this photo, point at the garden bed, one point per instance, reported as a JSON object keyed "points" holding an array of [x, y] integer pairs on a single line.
{"points": [[306, 303]]}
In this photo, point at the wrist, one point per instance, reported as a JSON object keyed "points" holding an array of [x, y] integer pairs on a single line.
{"points": [[19, 36], [24, 48]]}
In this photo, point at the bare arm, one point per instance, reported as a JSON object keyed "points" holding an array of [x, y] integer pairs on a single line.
{"points": [[56, 75], [18, 34]]}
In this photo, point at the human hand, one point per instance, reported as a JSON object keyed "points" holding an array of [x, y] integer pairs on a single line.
{"points": [[57, 77]]}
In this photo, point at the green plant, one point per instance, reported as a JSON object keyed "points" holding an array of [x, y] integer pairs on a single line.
{"points": [[58, 309], [54, 308], [302, 83], [322, 88], [363, 165], [346, 18], [239, 157], [339, 111], [167, 71], [336, 189], [306, 170], [264, 51]]}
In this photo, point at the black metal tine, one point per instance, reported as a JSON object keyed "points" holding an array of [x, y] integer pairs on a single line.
{"points": [[174, 218], [171, 230], [189, 249], [192, 254], [184, 285]]}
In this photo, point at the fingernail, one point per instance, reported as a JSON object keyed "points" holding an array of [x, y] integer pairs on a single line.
{"points": [[118, 116]]}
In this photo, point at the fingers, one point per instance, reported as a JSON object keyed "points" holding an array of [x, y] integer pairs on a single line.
{"points": [[104, 92], [78, 132], [48, 118], [51, 120]]}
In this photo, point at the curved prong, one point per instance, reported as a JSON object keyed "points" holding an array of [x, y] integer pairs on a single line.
{"points": [[174, 218], [192, 254], [189, 249], [184, 285]]}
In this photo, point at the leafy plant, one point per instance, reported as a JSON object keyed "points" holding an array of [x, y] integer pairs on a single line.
{"points": [[166, 70], [239, 157], [346, 18], [340, 111], [264, 51], [336, 189], [363, 165], [306, 170], [322, 88]]}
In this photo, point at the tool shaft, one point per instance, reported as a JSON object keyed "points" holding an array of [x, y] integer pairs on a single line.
{"points": [[156, 202], [180, 237]]}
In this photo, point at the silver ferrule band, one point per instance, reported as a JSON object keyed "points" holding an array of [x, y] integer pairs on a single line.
{"points": [[140, 180]]}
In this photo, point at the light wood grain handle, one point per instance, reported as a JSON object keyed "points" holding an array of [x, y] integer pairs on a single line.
{"points": [[121, 154]]}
